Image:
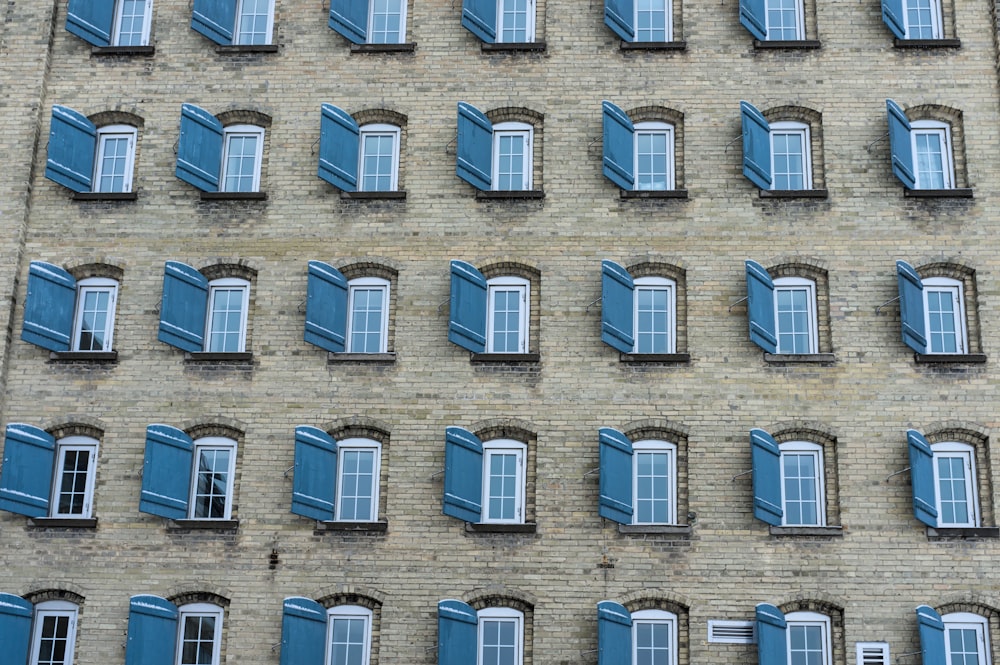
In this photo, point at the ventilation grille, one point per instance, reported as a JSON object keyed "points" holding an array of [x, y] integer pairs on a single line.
{"points": [[732, 632], [873, 653]]}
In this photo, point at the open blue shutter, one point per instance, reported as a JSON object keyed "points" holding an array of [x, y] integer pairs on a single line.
{"points": [[326, 307], [350, 19], [753, 18], [152, 631], [614, 634], [756, 145], [892, 15], [617, 307], [303, 632], [216, 19], [91, 20], [15, 628], [183, 307], [463, 475], [911, 307], [467, 326], [760, 307], [458, 628], [199, 148], [48, 308], [619, 159], [766, 460], [619, 15], [922, 478], [339, 141], [616, 476], [474, 156], [315, 483], [166, 472], [899, 144], [931, 627], [480, 18], [72, 142], [772, 641], [26, 478]]}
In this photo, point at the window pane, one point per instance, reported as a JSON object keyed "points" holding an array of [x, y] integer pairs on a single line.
{"points": [[921, 20], [930, 160], [226, 314], [367, 310], [788, 154], [652, 645], [652, 488], [386, 22], [805, 645], [131, 20], [963, 646], [241, 163], [800, 487], [783, 24], [653, 325], [510, 162], [499, 645], [793, 320], [53, 641], [73, 482], [347, 644], [252, 29], [114, 152], [650, 21], [378, 152], [198, 640], [651, 159], [95, 308], [514, 21], [502, 486], [942, 332], [953, 490], [357, 484], [212, 483], [506, 310]]}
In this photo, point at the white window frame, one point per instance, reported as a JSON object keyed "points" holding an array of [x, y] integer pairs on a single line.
{"points": [[796, 284], [801, 129], [968, 621], [655, 446], [53, 608], [527, 132], [269, 36], [83, 287], [368, 284], [228, 283], [811, 619], [648, 129], [936, 20], [509, 284], [504, 614], [957, 291], [147, 21], [74, 444], [192, 610], [967, 453], [656, 284], [668, 11], [505, 447], [800, 28], [529, 25], [379, 130], [402, 22], [242, 131], [819, 485], [105, 133], [359, 444], [943, 131], [214, 443], [352, 612], [649, 617]]}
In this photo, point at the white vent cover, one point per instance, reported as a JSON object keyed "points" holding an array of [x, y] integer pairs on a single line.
{"points": [[873, 653], [732, 632]]}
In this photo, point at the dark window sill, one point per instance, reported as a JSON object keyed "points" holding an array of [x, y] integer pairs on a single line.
{"points": [[654, 193], [794, 194], [383, 48], [123, 50], [927, 43], [654, 46], [950, 358], [237, 49], [678, 530], [97, 357], [203, 525], [956, 193], [377, 527], [105, 196], [206, 356], [793, 44], [807, 531], [234, 196], [800, 358], [361, 358], [506, 358], [482, 527], [62, 523], [511, 194], [374, 196], [943, 533], [519, 47], [655, 358]]}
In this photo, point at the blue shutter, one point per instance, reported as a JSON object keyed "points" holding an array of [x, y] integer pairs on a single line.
{"points": [[152, 631], [892, 15], [48, 308], [922, 478], [614, 634], [752, 16], [199, 148], [15, 628], [760, 307], [899, 144], [91, 20], [619, 159], [931, 627], [772, 642], [183, 307], [474, 157], [619, 15], [766, 460], [756, 145], [339, 141], [72, 143], [480, 18], [463, 475], [617, 307], [350, 19], [911, 307], [326, 307], [467, 326], [166, 472], [26, 477], [303, 632], [315, 483], [458, 628], [616, 476], [216, 19]]}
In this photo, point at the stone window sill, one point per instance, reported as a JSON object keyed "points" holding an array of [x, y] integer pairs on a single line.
{"points": [[512, 194], [829, 531], [234, 196], [654, 46], [238, 49], [943, 533], [373, 527], [361, 358], [62, 523], [383, 48], [506, 358], [950, 358], [655, 358], [105, 196], [654, 193], [123, 50], [677, 530], [481, 527], [927, 43], [792, 44], [96, 357], [955, 193], [374, 196], [518, 47], [800, 358], [794, 194], [228, 358], [203, 525]]}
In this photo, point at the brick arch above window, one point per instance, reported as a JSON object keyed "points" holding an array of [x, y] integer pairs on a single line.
{"points": [[115, 117], [351, 598], [189, 597], [222, 269], [42, 595], [505, 428], [501, 596], [76, 427], [387, 116], [220, 429], [359, 427], [97, 269], [971, 606], [244, 117]]}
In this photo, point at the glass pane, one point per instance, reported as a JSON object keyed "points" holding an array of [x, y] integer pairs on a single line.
{"points": [[357, 485], [73, 482], [800, 484], [794, 320], [378, 153], [652, 501], [225, 330], [787, 153], [252, 25], [783, 24], [510, 162], [212, 483], [650, 21], [241, 162], [506, 309], [386, 22], [114, 152], [131, 20], [929, 160], [367, 310]]}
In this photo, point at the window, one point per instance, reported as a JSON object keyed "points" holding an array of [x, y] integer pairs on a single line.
{"points": [[132, 19], [643, 21], [253, 23], [913, 19], [501, 636], [212, 479], [924, 150], [932, 154], [654, 315], [494, 157], [500, 21], [966, 639], [347, 315], [62, 314], [53, 638], [783, 312], [955, 479], [489, 315], [73, 481], [485, 481], [933, 311], [349, 630], [791, 480], [95, 314], [83, 158], [341, 634], [808, 639], [198, 315], [227, 315], [368, 323], [639, 314], [103, 23], [638, 155], [638, 479], [357, 480], [507, 316], [215, 158], [491, 636], [802, 484], [234, 22], [776, 155], [649, 637], [358, 158], [241, 158], [187, 635], [503, 481], [115, 152], [370, 22], [511, 156], [379, 157], [795, 315], [784, 23], [199, 637], [336, 480]]}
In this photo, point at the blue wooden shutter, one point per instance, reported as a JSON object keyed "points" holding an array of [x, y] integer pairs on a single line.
{"points": [[480, 18], [760, 307], [350, 19], [72, 142], [617, 307], [152, 631], [756, 144], [339, 141], [467, 325], [931, 627], [166, 472], [49, 306], [303, 632], [474, 156], [753, 17], [619, 146], [911, 307], [326, 307], [614, 634], [616, 476], [619, 15], [899, 144], [463, 475], [91, 20], [315, 483], [766, 460], [26, 477], [892, 14], [15, 628], [922, 478], [199, 148], [458, 628], [216, 19], [772, 642], [183, 307]]}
